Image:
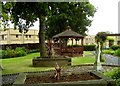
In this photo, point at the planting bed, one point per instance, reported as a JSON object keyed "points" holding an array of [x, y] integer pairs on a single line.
{"points": [[33, 79], [87, 78]]}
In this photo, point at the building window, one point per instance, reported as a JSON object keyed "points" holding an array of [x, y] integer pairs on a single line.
{"points": [[26, 36], [29, 36], [2, 37], [16, 36]]}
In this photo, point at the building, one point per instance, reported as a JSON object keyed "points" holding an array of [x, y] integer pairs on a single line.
{"points": [[12, 36], [89, 40]]}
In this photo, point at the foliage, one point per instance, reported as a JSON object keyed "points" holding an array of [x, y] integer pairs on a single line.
{"points": [[86, 47], [20, 51], [74, 14], [117, 52], [89, 47], [10, 53], [115, 47], [56, 14], [114, 74], [101, 37], [33, 51], [109, 52]]}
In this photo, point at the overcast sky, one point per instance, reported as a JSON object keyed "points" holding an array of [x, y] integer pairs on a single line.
{"points": [[105, 19]]}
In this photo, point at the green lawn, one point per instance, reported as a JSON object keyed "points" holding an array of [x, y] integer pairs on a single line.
{"points": [[24, 64]]}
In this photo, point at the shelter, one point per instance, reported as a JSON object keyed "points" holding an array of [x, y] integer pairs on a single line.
{"points": [[68, 50]]}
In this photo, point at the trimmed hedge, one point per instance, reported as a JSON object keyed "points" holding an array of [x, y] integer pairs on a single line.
{"points": [[86, 47], [89, 47], [115, 47]]}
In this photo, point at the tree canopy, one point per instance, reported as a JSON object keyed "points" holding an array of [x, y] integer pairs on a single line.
{"points": [[75, 15]]}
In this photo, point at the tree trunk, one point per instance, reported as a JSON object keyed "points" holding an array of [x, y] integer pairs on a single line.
{"points": [[42, 36], [101, 55]]}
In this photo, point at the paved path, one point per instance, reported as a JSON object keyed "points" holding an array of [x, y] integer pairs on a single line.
{"points": [[112, 60]]}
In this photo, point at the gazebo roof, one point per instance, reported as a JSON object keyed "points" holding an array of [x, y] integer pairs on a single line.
{"points": [[68, 33]]}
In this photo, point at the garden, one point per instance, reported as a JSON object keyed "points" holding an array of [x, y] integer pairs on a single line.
{"points": [[88, 69], [23, 60]]}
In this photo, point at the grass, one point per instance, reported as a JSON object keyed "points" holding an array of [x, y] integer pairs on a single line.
{"points": [[21, 64], [83, 60], [24, 63]]}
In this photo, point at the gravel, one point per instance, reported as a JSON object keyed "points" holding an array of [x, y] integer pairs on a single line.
{"points": [[112, 60], [8, 79]]}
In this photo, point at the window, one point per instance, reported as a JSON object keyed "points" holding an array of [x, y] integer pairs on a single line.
{"points": [[26, 36], [2, 37], [29, 36], [16, 36]]}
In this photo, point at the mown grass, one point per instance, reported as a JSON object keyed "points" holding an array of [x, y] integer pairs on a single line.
{"points": [[24, 63]]}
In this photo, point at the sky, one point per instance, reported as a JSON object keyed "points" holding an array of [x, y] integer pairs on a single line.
{"points": [[105, 19]]}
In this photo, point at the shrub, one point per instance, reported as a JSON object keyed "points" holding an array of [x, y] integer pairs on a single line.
{"points": [[117, 52], [10, 53], [115, 47], [116, 76], [108, 52], [33, 51], [20, 51], [89, 47]]}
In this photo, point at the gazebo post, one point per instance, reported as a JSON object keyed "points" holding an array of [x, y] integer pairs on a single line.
{"points": [[72, 47], [76, 41], [82, 45], [60, 46], [82, 41]]}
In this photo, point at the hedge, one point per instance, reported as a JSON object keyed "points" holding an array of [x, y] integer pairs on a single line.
{"points": [[115, 47], [89, 47]]}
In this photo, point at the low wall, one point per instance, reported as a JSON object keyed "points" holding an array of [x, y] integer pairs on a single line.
{"points": [[50, 62], [104, 81]]}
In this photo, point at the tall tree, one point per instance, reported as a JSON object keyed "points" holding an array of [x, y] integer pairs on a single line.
{"points": [[24, 14], [74, 14]]}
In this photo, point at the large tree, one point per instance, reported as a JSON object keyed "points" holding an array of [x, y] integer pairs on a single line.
{"points": [[52, 16], [75, 15], [24, 14]]}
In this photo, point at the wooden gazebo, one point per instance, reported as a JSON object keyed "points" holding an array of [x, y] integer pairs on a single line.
{"points": [[63, 49]]}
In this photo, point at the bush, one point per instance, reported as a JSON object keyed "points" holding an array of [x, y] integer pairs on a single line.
{"points": [[20, 51], [10, 53], [117, 52], [89, 47], [108, 52], [116, 76], [33, 51], [115, 47]]}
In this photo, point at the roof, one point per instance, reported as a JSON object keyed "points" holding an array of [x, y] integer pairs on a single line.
{"points": [[68, 33]]}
